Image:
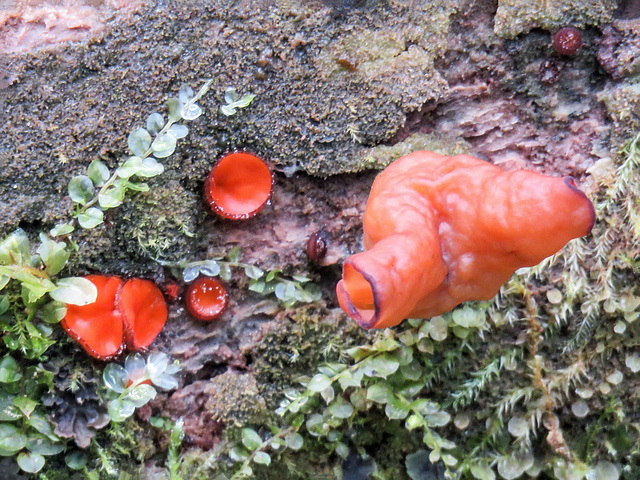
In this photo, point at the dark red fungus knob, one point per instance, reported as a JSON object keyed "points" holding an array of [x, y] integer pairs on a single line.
{"points": [[567, 40], [317, 246], [207, 298], [239, 186], [129, 315]]}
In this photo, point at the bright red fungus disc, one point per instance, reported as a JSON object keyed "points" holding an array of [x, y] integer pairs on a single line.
{"points": [[239, 186], [207, 298], [97, 326], [144, 312]]}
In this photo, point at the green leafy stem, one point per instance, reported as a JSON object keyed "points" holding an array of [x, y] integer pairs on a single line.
{"points": [[157, 140]]}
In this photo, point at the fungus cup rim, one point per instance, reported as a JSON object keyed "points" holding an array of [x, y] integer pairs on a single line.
{"points": [[219, 209], [198, 313]]}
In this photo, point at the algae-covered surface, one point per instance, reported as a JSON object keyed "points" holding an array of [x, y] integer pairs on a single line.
{"points": [[541, 382]]}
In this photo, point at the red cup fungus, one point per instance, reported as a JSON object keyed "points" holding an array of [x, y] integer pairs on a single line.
{"points": [[98, 326], [144, 312], [239, 186], [124, 316], [207, 298]]}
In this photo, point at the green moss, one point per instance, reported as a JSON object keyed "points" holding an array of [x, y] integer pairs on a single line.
{"points": [[297, 346], [381, 156], [235, 400], [519, 16]]}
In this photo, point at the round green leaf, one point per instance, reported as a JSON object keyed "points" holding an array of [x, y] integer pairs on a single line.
{"points": [[130, 167], [76, 460], [11, 439], [92, 217], [112, 197], [141, 395], [319, 382], [381, 366], [150, 167], [30, 462], [75, 291], [191, 111], [178, 130], [139, 142], [98, 172], [251, 439], [341, 410], [342, 450], [379, 393], [157, 363], [61, 229], [155, 122], [40, 444], [252, 271], [81, 189], [120, 410], [238, 454], [294, 440], [164, 142], [165, 381], [482, 472], [9, 370], [262, 458], [115, 377]]}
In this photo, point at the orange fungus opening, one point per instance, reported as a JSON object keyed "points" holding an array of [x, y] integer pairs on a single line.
{"points": [[207, 298], [144, 312], [239, 186], [97, 326]]}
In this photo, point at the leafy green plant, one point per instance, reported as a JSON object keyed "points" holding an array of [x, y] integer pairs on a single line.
{"points": [[233, 101], [99, 189], [289, 291], [37, 299], [132, 386], [24, 428]]}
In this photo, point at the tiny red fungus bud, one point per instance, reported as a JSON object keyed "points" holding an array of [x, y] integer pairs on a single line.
{"points": [[317, 246], [567, 40], [207, 298], [172, 290], [239, 186]]}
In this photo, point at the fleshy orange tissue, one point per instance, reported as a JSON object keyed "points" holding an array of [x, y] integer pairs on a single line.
{"points": [[439, 231]]}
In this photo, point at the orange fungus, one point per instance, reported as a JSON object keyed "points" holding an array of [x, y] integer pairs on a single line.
{"points": [[207, 298], [97, 326], [128, 315], [239, 186], [439, 231], [144, 312]]}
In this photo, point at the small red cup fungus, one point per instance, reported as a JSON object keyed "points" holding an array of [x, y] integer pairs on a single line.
{"points": [[129, 315], [239, 186], [207, 298]]}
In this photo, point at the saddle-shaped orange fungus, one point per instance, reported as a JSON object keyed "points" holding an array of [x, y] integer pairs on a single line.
{"points": [[439, 231]]}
